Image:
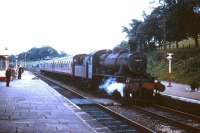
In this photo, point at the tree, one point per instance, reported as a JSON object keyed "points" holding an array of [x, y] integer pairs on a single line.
{"points": [[38, 53], [132, 33], [153, 31], [132, 29], [192, 20], [123, 44], [181, 19], [172, 20], [145, 34]]}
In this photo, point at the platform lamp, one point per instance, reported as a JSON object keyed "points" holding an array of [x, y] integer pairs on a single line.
{"points": [[7, 57], [169, 57]]}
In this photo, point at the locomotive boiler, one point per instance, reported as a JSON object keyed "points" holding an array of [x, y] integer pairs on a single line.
{"points": [[120, 61]]}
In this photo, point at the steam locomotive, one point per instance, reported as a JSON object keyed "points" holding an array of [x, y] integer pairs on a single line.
{"points": [[124, 66]]}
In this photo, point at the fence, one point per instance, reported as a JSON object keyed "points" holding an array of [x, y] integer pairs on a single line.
{"points": [[187, 43]]}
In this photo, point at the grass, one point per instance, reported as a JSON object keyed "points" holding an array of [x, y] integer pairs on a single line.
{"points": [[185, 65]]}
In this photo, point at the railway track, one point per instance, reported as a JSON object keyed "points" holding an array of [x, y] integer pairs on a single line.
{"points": [[183, 120], [185, 114], [162, 119], [189, 121], [114, 121], [123, 119]]}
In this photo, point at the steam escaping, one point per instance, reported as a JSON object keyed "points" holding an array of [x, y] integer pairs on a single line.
{"points": [[110, 85]]}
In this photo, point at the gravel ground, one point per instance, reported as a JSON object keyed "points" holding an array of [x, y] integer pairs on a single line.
{"points": [[180, 118], [159, 126]]}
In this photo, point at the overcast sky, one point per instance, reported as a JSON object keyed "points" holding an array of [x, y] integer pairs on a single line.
{"points": [[73, 26]]}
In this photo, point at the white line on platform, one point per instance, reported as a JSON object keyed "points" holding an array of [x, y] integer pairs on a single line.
{"points": [[183, 99], [72, 104]]}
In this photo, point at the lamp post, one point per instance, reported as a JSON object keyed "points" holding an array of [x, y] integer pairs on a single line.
{"points": [[169, 57]]}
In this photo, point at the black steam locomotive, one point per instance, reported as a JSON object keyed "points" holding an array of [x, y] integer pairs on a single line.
{"points": [[125, 67]]}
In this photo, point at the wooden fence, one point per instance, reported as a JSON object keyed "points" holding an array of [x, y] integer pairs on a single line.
{"points": [[187, 43]]}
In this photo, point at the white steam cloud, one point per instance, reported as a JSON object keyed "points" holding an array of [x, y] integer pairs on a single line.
{"points": [[110, 85]]}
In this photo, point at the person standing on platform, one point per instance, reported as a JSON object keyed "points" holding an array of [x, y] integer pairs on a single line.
{"points": [[20, 71], [8, 76]]}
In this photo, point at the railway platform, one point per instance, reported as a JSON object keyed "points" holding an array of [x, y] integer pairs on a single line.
{"points": [[29, 105], [181, 92]]}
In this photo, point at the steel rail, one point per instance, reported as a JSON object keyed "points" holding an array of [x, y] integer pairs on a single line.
{"points": [[115, 114], [177, 123]]}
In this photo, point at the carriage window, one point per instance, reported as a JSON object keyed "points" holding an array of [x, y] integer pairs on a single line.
{"points": [[2, 63]]}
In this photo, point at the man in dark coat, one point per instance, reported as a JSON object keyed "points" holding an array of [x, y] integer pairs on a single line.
{"points": [[20, 71], [8, 76]]}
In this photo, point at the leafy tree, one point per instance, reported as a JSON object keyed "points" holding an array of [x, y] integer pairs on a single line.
{"points": [[181, 19], [172, 20], [132, 33], [146, 34], [192, 21], [153, 31], [39, 53], [123, 44]]}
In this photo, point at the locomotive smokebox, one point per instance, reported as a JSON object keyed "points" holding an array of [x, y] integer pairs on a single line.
{"points": [[137, 63]]}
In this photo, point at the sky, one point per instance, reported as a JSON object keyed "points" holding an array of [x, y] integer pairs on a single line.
{"points": [[73, 26]]}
